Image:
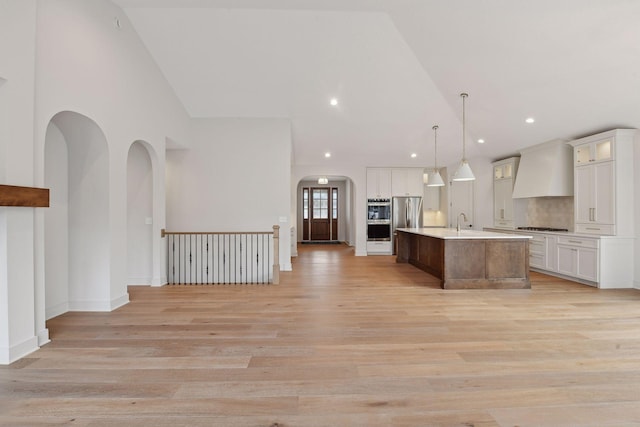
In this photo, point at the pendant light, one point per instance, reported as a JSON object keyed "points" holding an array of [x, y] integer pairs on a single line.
{"points": [[435, 179], [464, 172], [323, 180]]}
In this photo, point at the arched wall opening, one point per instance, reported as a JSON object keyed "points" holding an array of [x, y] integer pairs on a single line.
{"points": [[346, 219], [77, 232], [140, 214]]}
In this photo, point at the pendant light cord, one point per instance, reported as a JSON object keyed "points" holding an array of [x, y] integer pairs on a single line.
{"points": [[435, 147], [464, 131]]}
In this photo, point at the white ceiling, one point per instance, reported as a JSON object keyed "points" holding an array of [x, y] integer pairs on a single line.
{"points": [[398, 67]]}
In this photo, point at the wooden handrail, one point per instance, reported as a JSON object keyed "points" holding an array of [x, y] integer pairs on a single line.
{"points": [[164, 233]]}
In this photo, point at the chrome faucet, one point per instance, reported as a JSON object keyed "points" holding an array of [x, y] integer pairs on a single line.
{"points": [[464, 217]]}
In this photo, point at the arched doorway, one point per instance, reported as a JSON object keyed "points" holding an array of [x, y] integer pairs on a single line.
{"points": [[140, 216], [77, 231]]}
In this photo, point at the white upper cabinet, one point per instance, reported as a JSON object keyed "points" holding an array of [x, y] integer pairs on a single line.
{"points": [[378, 183], [406, 182], [603, 183], [593, 152]]}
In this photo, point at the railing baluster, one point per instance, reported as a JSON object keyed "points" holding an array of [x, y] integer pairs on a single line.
{"points": [[222, 258]]}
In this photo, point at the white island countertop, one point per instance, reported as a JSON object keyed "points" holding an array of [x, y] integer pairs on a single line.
{"points": [[452, 233]]}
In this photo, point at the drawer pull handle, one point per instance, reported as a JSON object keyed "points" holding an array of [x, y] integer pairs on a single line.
{"points": [[592, 228], [575, 241]]}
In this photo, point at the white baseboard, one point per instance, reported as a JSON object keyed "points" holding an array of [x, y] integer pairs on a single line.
{"points": [[56, 310], [139, 281], [103, 305], [10, 354], [286, 267], [43, 337], [120, 301], [158, 281]]}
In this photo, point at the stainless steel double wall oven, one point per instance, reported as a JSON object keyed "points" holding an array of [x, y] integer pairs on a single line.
{"points": [[379, 219]]}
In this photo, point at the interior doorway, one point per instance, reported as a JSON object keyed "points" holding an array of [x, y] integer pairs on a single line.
{"points": [[324, 211]]}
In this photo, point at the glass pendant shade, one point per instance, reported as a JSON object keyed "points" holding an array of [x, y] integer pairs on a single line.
{"points": [[435, 179], [464, 172]]}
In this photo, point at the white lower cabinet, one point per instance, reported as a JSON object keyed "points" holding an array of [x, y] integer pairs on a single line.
{"points": [[542, 252], [578, 257], [379, 248], [604, 261]]}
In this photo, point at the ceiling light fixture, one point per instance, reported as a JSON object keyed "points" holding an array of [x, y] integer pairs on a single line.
{"points": [[323, 180], [464, 172], [334, 101], [435, 180], [414, 155], [530, 120], [481, 141], [327, 154]]}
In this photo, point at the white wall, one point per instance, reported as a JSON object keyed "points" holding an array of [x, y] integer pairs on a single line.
{"points": [[4, 116], [636, 153], [86, 65], [234, 177], [89, 66], [139, 214], [18, 335], [56, 224]]}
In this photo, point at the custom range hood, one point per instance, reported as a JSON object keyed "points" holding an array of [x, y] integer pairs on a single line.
{"points": [[546, 170]]}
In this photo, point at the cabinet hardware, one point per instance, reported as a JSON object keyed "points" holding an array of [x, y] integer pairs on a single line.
{"points": [[575, 241], [592, 228]]}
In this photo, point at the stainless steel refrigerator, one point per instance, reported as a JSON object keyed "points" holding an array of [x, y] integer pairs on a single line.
{"points": [[406, 213]]}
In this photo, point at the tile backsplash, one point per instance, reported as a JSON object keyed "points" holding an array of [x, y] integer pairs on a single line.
{"points": [[554, 212]]}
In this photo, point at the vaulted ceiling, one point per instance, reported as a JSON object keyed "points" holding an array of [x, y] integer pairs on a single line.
{"points": [[397, 67]]}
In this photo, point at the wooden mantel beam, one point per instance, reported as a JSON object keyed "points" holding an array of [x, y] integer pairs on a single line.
{"points": [[11, 195]]}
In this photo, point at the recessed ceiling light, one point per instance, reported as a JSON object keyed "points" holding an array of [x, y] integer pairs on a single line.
{"points": [[481, 141], [414, 155], [334, 101], [530, 120], [327, 154]]}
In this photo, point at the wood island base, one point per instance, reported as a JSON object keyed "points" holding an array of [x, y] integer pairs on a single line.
{"points": [[468, 263]]}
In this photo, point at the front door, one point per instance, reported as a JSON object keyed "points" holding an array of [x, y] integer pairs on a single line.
{"points": [[320, 222], [320, 213]]}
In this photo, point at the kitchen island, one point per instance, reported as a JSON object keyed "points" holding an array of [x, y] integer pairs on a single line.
{"points": [[467, 259]]}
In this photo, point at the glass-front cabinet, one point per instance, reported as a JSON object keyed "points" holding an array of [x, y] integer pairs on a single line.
{"points": [[597, 151]]}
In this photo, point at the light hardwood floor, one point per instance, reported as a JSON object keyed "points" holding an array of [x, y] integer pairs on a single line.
{"points": [[342, 341]]}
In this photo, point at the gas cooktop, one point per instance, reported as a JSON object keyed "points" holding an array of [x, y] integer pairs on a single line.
{"points": [[542, 229]]}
